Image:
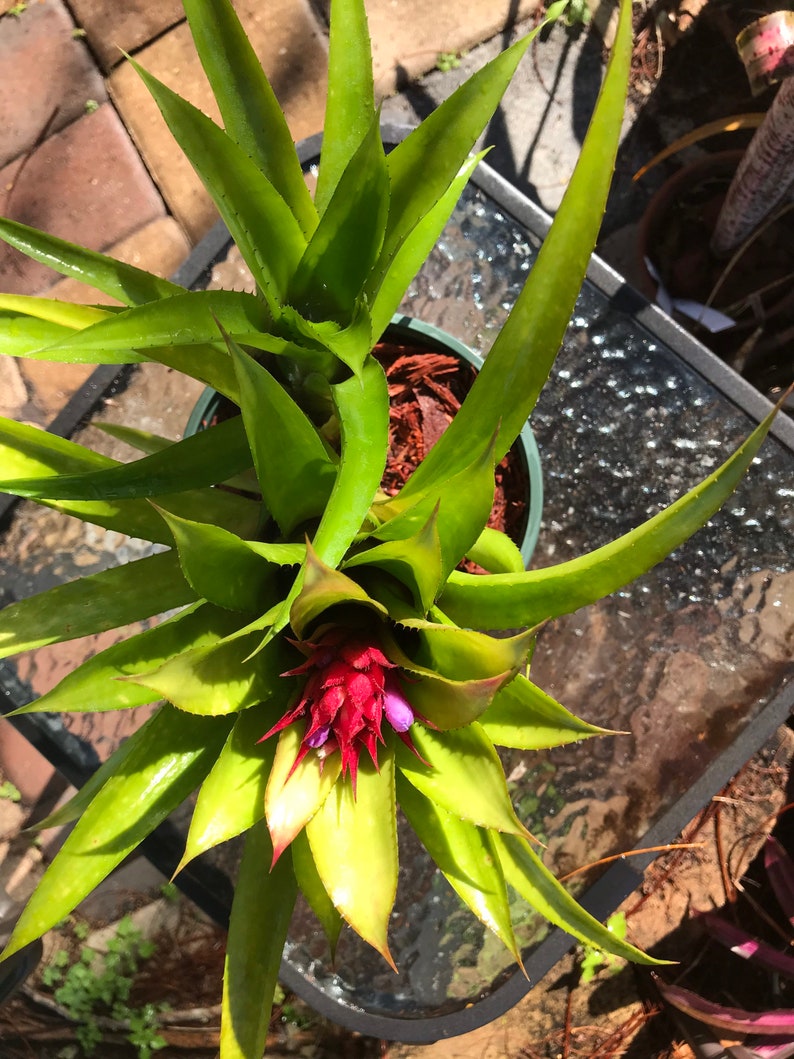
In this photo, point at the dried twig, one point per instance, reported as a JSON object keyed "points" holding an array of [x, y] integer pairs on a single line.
{"points": [[727, 882], [667, 848]]}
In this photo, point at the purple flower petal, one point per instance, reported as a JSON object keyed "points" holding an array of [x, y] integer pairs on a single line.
{"points": [[398, 710], [319, 737]]}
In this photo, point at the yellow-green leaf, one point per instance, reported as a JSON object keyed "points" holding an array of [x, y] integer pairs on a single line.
{"points": [[416, 562], [353, 841], [98, 684], [261, 913], [293, 797], [220, 566], [232, 797], [523, 716], [466, 855], [324, 587], [496, 601], [463, 776], [528, 875], [311, 886], [173, 757], [95, 603], [295, 472], [221, 678]]}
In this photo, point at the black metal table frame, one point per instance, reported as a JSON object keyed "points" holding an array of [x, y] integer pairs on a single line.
{"points": [[211, 890]]}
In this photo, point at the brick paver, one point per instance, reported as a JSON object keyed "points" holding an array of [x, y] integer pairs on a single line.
{"points": [[22, 764], [48, 386], [86, 184], [113, 26], [46, 76], [13, 395], [291, 46], [409, 35]]}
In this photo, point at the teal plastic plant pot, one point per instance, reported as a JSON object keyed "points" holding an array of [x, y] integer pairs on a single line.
{"points": [[414, 332], [204, 412]]}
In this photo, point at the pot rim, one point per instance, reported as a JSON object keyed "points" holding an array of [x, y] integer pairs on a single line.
{"points": [[437, 338]]}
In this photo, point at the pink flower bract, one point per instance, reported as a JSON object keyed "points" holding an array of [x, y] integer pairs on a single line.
{"points": [[351, 688]]}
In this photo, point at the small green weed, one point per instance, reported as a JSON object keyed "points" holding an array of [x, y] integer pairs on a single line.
{"points": [[290, 1012], [447, 60], [170, 891], [594, 960], [8, 792], [578, 13], [91, 105], [94, 985], [17, 9]]}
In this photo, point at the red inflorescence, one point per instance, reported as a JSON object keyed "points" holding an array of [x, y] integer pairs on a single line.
{"points": [[351, 686]]}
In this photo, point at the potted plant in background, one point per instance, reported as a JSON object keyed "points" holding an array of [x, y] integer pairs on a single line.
{"points": [[765, 1034], [327, 660], [716, 240]]}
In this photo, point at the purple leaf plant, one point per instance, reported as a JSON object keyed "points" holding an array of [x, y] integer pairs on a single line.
{"points": [[769, 1034]]}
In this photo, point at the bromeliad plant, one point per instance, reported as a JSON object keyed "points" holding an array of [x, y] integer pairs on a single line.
{"points": [[327, 661]]}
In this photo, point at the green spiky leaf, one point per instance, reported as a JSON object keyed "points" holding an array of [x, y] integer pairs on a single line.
{"points": [[260, 221], [128, 284], [223, 568], [524, 351], [324, 587], [466, 856], [97, 685], [296, 474], [254, 946], [249, 108], [206, 458], [231, 799], [353, 840], [512, 600], [415, 561], [350, 104], [165, 765], [521, 715], [528, 875], [79, 802], [220, 678], [184, 319], [94, 604], [463, 776], [331, 276], [312, 888], [463, 504], [496, 553]]}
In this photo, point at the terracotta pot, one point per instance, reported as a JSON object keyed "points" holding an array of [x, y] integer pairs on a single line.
{"points": [[695, 188], [523, 457]]}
